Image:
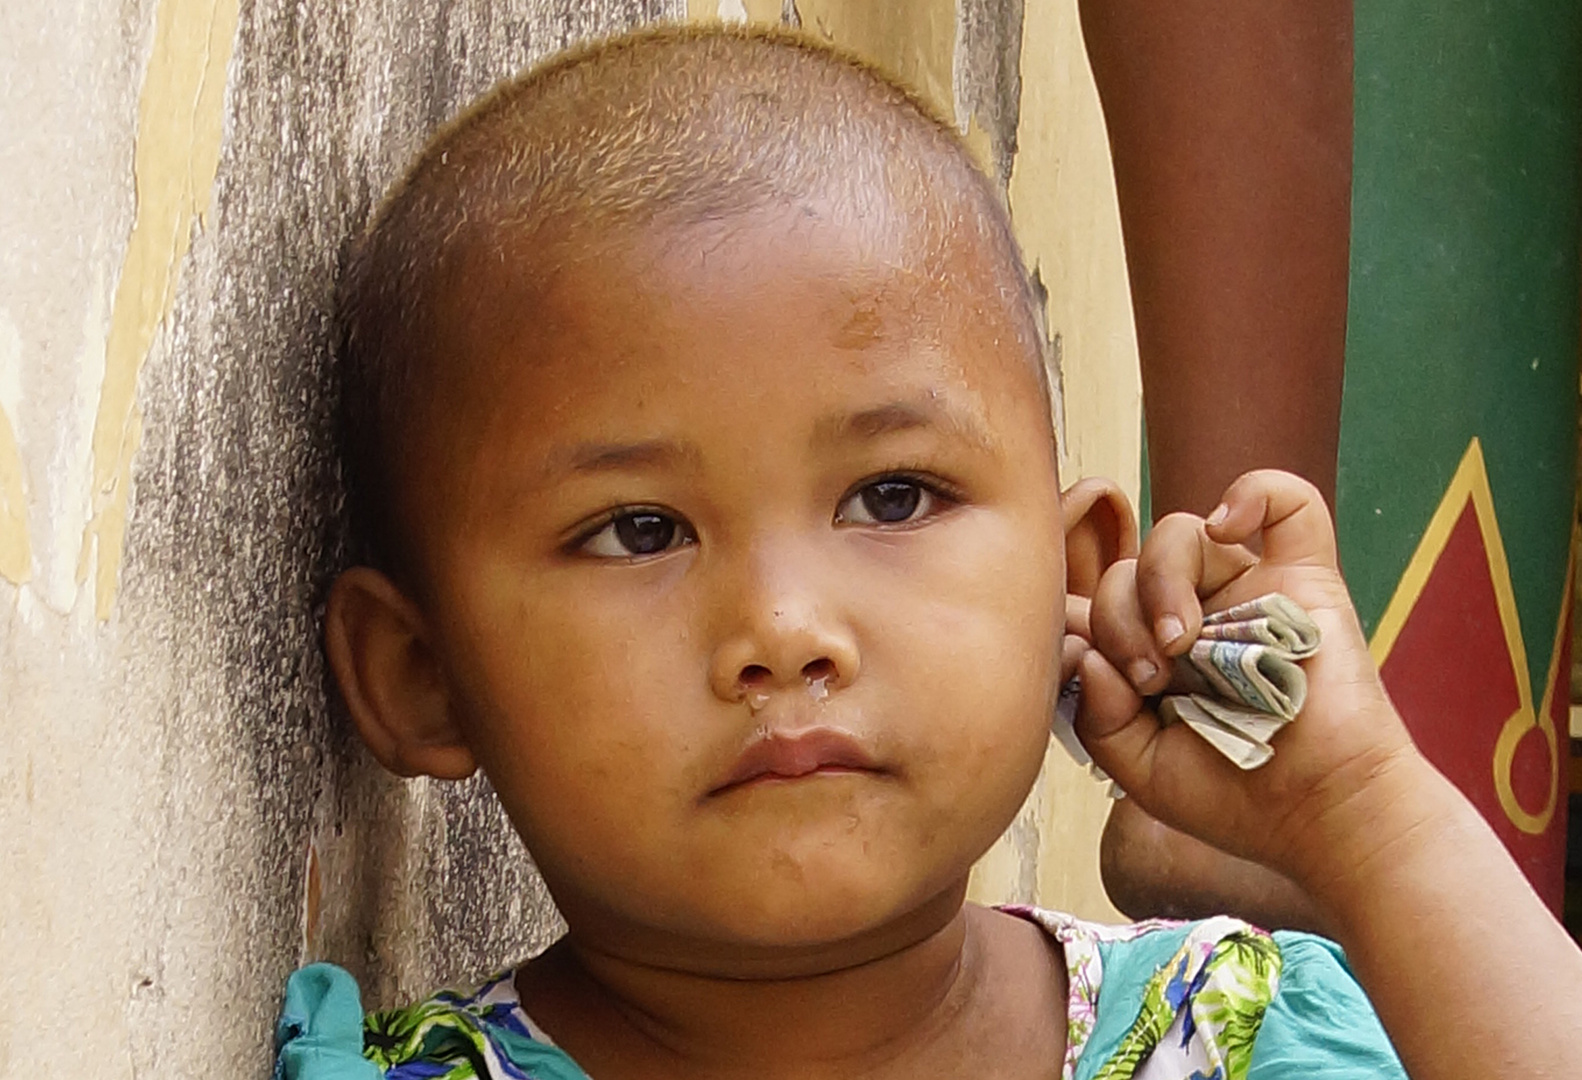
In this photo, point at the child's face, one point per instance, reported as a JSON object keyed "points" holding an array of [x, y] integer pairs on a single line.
{"points": [[735, 503]]}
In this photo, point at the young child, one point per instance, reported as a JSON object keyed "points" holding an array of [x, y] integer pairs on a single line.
{"points": [[696, 416]]}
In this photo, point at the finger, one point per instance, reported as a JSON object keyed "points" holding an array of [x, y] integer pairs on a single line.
{"points": [[1109, 706], [1113, 726], [1077, 608], [1168, 769], [1120, 630], [1178, 564], [1072, 650], [1286, 511], [1168, 572]]}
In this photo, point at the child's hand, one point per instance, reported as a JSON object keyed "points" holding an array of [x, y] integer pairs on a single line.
{"points": [[1272, 533]]}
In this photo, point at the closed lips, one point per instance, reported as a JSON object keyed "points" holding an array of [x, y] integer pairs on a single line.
{"points": [[790, 756]]}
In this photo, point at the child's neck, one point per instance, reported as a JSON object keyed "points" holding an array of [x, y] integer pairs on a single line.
{"points": [[964, 986]]}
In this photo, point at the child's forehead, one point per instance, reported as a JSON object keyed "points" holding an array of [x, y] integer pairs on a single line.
{"points": [[861, 279], [860, 308], [671, 336]]}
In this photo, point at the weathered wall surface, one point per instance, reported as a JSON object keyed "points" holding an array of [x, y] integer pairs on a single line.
{"points": [[179, 177], [183, 818]]}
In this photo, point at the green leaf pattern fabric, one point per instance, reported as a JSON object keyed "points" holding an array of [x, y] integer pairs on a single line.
{"points": [[1199, 1013], [1197, 1017]]}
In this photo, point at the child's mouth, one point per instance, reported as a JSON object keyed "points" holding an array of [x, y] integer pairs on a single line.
{"points": [[778, 756]]}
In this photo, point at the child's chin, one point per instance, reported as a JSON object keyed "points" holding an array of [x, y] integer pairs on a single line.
{"points": [[807, 926], [829, 908]]}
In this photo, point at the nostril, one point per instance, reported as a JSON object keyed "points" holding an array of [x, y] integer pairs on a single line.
{"points": [[820, 670], [753, 675]]}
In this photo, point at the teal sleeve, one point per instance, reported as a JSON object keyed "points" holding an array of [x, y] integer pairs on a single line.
{"points": [[1320, 1025], [320, 1032]]}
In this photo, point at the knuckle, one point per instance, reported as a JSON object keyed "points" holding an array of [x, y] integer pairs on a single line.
{"points": [[1116, 580], [1173, 526], [1156, 578], [1280, 480]]}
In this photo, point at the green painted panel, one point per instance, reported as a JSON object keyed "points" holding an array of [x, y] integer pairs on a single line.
{"points": [[1464, 287], [1145, 487]]}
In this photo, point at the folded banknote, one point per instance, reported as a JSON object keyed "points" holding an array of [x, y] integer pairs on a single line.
{"points": [[1243, 677], [1239, 684]]}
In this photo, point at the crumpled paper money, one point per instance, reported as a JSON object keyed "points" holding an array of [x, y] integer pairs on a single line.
{"points": [[1242, 678]]}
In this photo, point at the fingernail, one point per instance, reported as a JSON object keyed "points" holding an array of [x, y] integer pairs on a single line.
{"points": [[1219, 514], [1141, 670], [1168, 629]]}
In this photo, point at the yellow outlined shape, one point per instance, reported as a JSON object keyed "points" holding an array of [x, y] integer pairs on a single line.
{"points": [[1521, 725], [1471, 483]]}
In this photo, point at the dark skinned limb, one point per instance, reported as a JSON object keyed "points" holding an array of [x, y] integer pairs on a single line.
{"points": [[1230, 126], [1153, 871]]}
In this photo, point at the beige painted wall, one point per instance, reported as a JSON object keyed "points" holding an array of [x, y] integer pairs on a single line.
{"points": [[183, 817]]}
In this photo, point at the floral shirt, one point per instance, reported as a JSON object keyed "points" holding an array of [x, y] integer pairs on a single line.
{"points": [[1159, 1000]]}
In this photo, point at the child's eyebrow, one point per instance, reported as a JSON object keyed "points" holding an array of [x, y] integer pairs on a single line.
{"points": [[898, 416], [609, 457], [860, 426]]}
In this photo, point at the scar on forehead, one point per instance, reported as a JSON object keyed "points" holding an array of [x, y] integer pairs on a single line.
{"points": [[868, 315], [863, 328]]}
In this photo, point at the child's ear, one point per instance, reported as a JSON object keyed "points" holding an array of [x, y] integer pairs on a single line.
{"points": [[1100, 529], [392, 684]]}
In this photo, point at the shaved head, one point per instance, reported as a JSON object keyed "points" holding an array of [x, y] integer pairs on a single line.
{"points": [[667, 129]]}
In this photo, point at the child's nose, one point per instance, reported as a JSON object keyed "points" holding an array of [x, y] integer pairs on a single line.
{"points": [[787, 649], [758, 677]]}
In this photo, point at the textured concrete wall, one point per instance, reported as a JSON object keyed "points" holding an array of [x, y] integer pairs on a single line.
{"points": [[183, 817]]}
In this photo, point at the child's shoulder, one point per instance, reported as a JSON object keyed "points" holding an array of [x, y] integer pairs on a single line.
{"points": [[1217, 998]]}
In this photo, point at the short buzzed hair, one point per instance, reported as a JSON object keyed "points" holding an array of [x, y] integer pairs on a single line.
{"points": [[668, 127]]}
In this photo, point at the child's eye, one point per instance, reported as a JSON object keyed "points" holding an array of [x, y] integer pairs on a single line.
{"points": [[635, 534], [891, 500]]}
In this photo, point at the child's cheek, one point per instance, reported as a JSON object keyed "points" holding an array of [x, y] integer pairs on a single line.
{"points": [[977, 648]]}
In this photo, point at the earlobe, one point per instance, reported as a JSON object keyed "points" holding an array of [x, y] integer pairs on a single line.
{"points": [[389, 678], [1100, 530]]}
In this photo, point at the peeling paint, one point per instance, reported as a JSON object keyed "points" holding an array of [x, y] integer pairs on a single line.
{"points": [[180, 121], [735, 11], [16, 554], [1062, 192], [166, 771], [986, 81], [10, 364], [69, 499], [980, 144], [915, 40]]}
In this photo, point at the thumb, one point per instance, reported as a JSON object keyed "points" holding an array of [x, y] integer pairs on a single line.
{"points": [[1286, 510]]}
